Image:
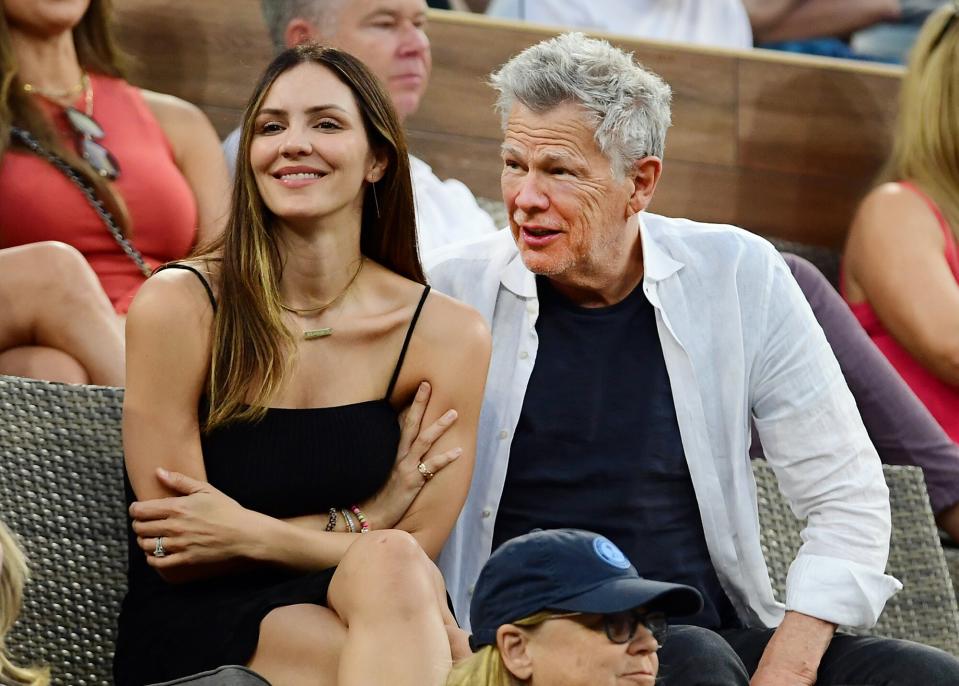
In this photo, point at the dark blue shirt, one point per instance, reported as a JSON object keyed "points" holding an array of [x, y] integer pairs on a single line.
{"points": [[598, 447]]}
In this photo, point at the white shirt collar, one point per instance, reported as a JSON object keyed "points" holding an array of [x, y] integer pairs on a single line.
{"points": [[657, 265]]}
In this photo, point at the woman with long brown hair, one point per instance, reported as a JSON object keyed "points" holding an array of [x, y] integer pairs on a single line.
{"points": [[901, 261], [260, 413], [97, 179]]}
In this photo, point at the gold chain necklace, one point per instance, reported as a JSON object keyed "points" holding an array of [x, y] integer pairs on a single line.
{"points": [[310, 334], [70, 92]]}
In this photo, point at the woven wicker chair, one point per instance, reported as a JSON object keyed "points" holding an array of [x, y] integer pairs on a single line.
{"points": [[925, 610], [61, 492]]}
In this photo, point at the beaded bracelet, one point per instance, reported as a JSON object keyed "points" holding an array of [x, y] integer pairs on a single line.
{"points": [[364, 523], [349, 521], [331, 524]]}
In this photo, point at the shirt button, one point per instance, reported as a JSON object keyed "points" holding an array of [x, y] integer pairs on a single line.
{"points": [[523, 355], [487, 513], [503, 435]]}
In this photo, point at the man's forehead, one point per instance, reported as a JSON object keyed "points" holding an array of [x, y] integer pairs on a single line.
{"points": [[562, 130], [360, 9]]}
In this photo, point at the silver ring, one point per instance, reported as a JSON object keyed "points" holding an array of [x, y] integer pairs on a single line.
{"points": [[159, 550]]}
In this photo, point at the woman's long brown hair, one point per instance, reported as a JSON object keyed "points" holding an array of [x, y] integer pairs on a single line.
{"points": [[96, 52], [252, 348]]}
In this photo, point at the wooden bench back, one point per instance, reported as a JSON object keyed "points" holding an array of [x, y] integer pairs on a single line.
{"points": [[779, 144]]}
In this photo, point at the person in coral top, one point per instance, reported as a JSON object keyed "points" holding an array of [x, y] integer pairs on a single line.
{"points": [[75, 138], [901, 264]]}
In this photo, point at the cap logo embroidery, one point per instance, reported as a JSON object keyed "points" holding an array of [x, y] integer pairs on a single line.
{"points": [[607, 551]]}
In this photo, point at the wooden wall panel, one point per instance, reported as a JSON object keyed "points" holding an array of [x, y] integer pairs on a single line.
{"points": [[208, 52], [778, 144]]}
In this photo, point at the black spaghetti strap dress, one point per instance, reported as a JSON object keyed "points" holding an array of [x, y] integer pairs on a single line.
{"points": [[293, 462]]}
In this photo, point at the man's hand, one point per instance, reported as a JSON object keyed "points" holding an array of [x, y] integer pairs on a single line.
{"points": [[793, 654]]}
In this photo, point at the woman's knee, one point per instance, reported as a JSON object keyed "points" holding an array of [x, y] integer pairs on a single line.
{"points": [[40, 362], [384, 569], [53, 272]]}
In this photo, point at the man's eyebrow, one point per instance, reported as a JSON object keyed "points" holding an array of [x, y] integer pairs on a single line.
{"points": [[309, 110], [392, 13], [558, 157]]}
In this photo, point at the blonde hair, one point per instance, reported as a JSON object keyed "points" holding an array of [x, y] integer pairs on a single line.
{"points": [[486, 666], [926, 144], [13, 576]]}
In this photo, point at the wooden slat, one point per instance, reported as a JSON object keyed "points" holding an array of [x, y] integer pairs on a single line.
{"points": [[779, 144]]}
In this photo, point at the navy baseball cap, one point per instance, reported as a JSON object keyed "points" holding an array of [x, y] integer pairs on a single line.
{"points": [[568, 570]]}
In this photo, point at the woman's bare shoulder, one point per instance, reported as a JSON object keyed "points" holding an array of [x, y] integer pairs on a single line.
{"points": [[172, 297], [891, 212], [169, 108], [447, 321], [443, 320]]}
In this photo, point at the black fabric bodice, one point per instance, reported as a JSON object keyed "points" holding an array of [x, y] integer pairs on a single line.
{"points": [[302, 461]]}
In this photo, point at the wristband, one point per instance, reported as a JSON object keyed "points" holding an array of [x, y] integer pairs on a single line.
{"points": [[349, 521], [331, 524], [361, 518]]}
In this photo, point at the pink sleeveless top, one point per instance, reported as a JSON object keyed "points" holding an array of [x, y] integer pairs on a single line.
{"points": [[38, 203], [941, 399]]}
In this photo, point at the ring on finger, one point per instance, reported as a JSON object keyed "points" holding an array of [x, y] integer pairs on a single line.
{"points": [[422, 469], [159, 550]]}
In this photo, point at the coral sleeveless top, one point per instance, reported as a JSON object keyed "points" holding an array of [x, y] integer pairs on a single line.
{"points": [[38, 203], [940, 398]]}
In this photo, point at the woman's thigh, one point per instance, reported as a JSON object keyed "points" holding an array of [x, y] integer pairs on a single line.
{"points": [[299, 645]]}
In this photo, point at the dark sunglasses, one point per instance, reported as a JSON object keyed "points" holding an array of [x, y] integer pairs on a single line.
{"points": [[620, 627], [97, 156]]}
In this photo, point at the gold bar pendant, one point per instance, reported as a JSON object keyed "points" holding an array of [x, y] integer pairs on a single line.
{"points": [[317, 333]]}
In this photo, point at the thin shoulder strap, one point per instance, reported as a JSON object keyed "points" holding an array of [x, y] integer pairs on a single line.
{"points": [[199, 275], [406, 343], [951, 253]]}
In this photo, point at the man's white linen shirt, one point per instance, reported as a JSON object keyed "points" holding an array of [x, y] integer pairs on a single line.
{"points": [[739, 339], [446, 211]]}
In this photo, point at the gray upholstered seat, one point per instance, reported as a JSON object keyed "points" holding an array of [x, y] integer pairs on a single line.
{"points": [[925, 610], [61, 492]]}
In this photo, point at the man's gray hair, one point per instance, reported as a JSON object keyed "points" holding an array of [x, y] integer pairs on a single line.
{"points": [[627, 104], [278, 13]]}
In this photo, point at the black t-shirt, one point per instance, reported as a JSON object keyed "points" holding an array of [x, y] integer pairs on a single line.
{"points": [[598, 447]]}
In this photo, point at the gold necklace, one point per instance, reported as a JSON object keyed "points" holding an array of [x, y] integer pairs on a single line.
{"points": [[310, 334], [70, 92]]}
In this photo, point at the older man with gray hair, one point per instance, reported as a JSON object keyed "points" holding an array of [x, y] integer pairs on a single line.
{"points": [[389, 36], [630, 353]]}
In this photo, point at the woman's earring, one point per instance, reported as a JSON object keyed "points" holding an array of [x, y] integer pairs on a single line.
{"points": [[376, 202]]}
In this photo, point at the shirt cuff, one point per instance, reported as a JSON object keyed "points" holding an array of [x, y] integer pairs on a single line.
{"points": [[838, 591]]}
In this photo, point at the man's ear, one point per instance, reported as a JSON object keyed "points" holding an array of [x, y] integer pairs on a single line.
{"points": [[643, 175], [299, 31], [513, 644]]}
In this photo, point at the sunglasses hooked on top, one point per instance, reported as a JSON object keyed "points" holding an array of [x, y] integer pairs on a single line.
{"points": [[96, 155], [86, 127]]}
